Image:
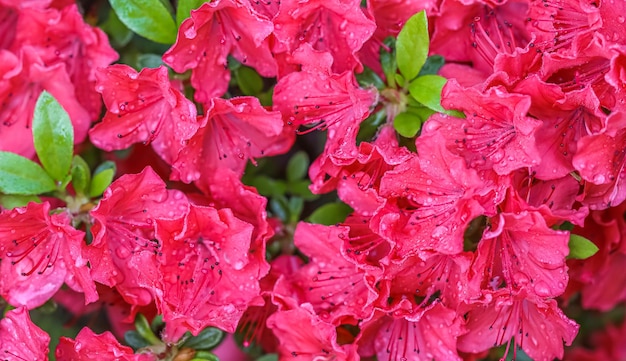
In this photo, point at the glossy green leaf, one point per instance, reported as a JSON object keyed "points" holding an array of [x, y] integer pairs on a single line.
{"points": [[144, 330], [296, 205], [427, 90], [183, 11], [580, 247], [280, 208], [388, 60], [330, 213], [134, 340], [207, 339], [412, 45], [205, 356], [19, 175], [10, 201], [148, 18], [248, 80], [301, 189], [432, 65], [119, 34], [81, 176], [268, 187], [149, 61], [407, 124], [53, 136], [368, 78], [268, 357], [102, 178], [298, 166]]}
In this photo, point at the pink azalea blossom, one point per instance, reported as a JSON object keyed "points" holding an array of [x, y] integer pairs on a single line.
{"points": [[20, 339]]}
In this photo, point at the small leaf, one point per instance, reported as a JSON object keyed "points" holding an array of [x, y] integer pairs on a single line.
{"points": [[280, 207], [330, 213], [119, 34], [207, 339], [580, 247], [19, 175], [248, 80], [368, 78], [81, 176], [268, 187], [297, 166], [10, 201], [296, 205], [268, 357], [301, 188], [432, 65], [149, 61], [205, 356], [183, 11], [102, 178], [388, 60], [134, 340], [399, 80], [407, 124], [53, 136], [148, 18], [427, 90], [144, 330], [412, 45]]}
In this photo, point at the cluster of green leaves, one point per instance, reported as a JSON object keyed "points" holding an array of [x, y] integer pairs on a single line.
{"points": [[411, 78], [144, 337], [288, 193], [22, 180]]}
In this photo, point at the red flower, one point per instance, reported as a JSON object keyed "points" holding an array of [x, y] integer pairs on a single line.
{"points": [[502, 315], [425, 334], [304, 336], [39, 253], [63, 37], [332, 284], [326, 101], [334, 26], [214, 31], [22, 79], [206, 275], [20, 339], [431, 200], [143, 107], [88, 344], [496, 134], [124, 249], [522, 252], [233, 131]]}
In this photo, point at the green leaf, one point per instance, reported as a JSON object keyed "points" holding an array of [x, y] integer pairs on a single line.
{"points": [[118, 33], [369, 78], [205, 356], [580, 247], [53, 136], [407, 124], [10, 201], [248, 81], [19, 175], [149, 61], [296, 205], [148, 18], [268, 187], [330, 213], [207, 339], [399, 80], [102, 178], [301, 188], [432, 65], [388, 60], [268, 357], [183, 11], [144, 330], [427, 90], [297, 166], [134, 340], [412, 45], [280, 207], [81, 176]]}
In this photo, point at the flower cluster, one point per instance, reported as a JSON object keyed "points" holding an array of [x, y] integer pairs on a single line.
{"points": [[474, 207]]}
